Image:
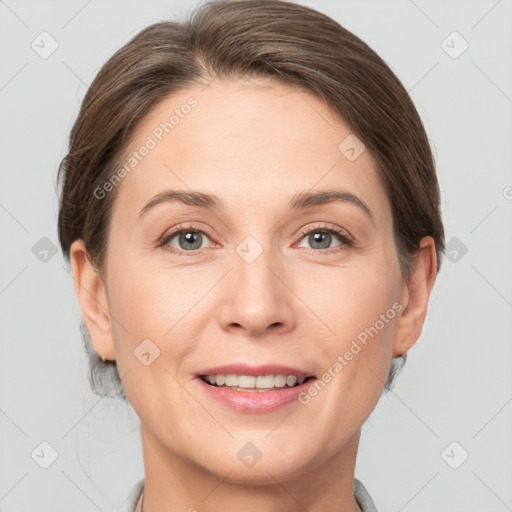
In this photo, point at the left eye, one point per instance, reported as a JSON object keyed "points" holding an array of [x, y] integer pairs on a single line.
{"points": [[323, 238], [188, 240]]}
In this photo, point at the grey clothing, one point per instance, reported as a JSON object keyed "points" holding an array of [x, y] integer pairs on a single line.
{"points": [[362, 496]]}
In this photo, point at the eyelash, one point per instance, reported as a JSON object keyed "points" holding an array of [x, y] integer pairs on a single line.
{"points": [[331, 229]]}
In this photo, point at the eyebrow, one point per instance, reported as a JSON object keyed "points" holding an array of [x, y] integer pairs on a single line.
{"points": [[300, 201]]}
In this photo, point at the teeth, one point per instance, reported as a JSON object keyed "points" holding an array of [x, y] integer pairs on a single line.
{"points": [[246, 381], [231, 380], [266, 382], [280, 381], [291, 380], [252, 382]]}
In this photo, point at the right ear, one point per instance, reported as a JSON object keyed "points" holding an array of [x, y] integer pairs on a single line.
{"points": [[92, 297]]}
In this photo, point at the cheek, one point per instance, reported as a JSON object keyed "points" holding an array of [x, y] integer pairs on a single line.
{"points": [[153, 332], [358, 307], [160, 306]]}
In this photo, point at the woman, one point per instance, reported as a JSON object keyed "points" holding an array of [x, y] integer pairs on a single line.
{"points": [[208, 159]]}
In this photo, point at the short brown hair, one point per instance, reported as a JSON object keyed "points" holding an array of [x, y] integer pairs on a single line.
{"points": [[294, 45]]}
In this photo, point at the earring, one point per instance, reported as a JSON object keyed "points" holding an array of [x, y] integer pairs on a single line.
{"points": [[102, 357]]}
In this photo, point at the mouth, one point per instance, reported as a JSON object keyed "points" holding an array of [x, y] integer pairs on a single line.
{"points": [[254, 389], [255, 383]]}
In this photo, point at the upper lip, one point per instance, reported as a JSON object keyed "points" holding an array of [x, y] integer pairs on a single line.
{"points": [[263, 369]]}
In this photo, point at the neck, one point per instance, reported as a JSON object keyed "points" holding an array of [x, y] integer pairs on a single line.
{"points": [[175, 483]]}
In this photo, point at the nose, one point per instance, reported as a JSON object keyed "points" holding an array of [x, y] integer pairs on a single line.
{"points": [[256, 297]]}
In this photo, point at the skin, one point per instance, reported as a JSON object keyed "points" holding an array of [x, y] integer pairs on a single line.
{"points": [[254, 144]]}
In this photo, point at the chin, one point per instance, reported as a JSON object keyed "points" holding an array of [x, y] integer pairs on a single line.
{"points": [[259, 462]]}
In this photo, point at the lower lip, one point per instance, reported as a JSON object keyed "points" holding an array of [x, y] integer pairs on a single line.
{"points": [[255, 401]]}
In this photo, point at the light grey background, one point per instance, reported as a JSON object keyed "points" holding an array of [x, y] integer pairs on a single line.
{"points": [[457, 383]]}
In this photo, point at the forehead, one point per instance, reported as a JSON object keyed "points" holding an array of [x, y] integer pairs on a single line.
{"points": [[249, 142]]}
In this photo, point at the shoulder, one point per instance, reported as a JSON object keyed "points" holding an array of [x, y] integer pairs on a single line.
{"points": [[130, 501], [363, 497]]}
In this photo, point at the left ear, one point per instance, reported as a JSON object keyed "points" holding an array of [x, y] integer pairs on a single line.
{"points": [[415, 295]]}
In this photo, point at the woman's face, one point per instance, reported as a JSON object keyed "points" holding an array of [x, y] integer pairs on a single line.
{"points": [[253, 281]]}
